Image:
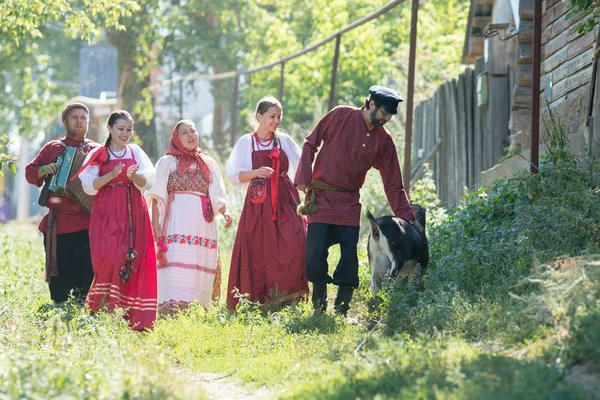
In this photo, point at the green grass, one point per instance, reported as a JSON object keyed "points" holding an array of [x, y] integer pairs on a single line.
{"points": [[47, 351]]}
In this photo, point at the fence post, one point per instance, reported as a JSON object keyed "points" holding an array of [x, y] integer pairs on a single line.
{"points": [[281, 82], [334, 68], [234, 108], [410, 95], [535, 101]]}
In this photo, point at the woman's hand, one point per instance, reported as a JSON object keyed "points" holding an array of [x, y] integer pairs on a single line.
{"points": [[131, 171], [228, 219], [116, 170], [264, 172]]}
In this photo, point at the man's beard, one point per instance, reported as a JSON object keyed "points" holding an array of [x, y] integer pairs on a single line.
{"points": [[374, 121], [75, 133]]}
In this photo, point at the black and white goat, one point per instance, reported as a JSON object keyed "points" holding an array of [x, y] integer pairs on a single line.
{"points": [[396, 246]]}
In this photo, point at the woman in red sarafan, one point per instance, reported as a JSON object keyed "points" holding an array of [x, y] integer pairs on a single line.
{"points": [[121, 240], [267, 261]]}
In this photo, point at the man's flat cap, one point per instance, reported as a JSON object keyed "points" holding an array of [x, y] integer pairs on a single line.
{"points": [[71, 106], [386, 97]]}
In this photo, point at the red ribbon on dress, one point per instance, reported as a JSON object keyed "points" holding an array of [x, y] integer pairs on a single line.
{"points": [[274, 156], [99, 157]]}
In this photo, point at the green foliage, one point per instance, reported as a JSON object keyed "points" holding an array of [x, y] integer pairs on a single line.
{"points": [[32, 55], [488, 245], [586, 14], [5, 157]]}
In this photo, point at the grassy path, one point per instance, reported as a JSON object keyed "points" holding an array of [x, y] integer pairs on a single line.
{"points": [[48, 351]]}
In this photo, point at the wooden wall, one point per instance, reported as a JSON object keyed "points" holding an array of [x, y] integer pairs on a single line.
{"points": [[566, 63]]}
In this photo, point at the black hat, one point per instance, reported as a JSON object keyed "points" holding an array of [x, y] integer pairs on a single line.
{"points": [[386, 97]]}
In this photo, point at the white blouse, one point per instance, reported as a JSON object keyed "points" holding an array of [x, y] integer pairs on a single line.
{"points": [[92, 172], [166, 165], [240, 159]]}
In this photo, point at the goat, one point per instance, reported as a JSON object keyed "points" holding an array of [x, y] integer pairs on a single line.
{"points": [[396, 246]]}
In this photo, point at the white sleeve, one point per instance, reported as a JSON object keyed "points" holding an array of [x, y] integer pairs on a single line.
{"points": [[164, 167], [216, 189], [145, 166], [293, 153], [240, 159], [89, 174]]}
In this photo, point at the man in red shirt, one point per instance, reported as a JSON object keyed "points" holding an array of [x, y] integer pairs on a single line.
{"points": [[350, 142], [65, 227]]}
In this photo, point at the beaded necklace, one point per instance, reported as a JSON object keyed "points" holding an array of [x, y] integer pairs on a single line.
{"points": [[116, 156], [263, 142]]}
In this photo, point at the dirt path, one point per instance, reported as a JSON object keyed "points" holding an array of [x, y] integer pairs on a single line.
{"points": [[223, 387]]}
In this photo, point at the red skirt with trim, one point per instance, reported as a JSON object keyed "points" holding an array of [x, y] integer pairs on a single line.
{"points": [[109, 241]]}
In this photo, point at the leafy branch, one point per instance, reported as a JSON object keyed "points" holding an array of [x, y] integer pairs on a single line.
{"points": [[586, 14], [5, 158]]}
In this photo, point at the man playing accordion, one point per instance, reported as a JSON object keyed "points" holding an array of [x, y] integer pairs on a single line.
{"points": [[65, 227]]}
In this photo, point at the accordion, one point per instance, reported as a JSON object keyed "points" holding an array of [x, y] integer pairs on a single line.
{"points": [[60, 183]]}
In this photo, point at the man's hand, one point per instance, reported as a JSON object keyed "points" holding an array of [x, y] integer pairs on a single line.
{"points": [[418, 226], [49, 169]]}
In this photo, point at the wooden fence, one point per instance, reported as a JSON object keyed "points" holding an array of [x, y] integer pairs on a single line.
{"points": [[471, 137]]}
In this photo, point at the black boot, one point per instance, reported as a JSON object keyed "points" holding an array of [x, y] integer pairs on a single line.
{"points": [[342, 301], [319, 297]]}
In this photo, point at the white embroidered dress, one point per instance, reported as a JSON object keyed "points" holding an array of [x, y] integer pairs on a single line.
{"points": [[192, 253]]}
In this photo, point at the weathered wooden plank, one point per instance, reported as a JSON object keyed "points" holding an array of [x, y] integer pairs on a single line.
{"points": [[525, 53], [461, 132], [580, 45], [439, 158], [417, 136], [556, 43], [524, 74], [499, 109], [574, 65], [559, 89], [559, 24], [581, 78], [595, 122], [547, 17], [526, 31], [470, 99], [479, 117], [522, 96], [497, 57], [526, 10], [454, 131], [520, 119], [560, 8], [447, 149], [550, 63]]}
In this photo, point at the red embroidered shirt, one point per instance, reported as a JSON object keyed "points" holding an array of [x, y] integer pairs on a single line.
{"points": [[348, 149], [70, 217]]}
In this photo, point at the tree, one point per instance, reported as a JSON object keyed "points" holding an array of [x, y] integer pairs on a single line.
{"points": [[28, 100], [139, 51]]}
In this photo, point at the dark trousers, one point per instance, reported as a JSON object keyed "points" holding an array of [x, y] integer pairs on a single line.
{"points": [[74, 264], [318, 240]]}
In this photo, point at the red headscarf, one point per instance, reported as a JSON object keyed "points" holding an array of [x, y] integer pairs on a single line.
{"points": [[187, 158]]}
